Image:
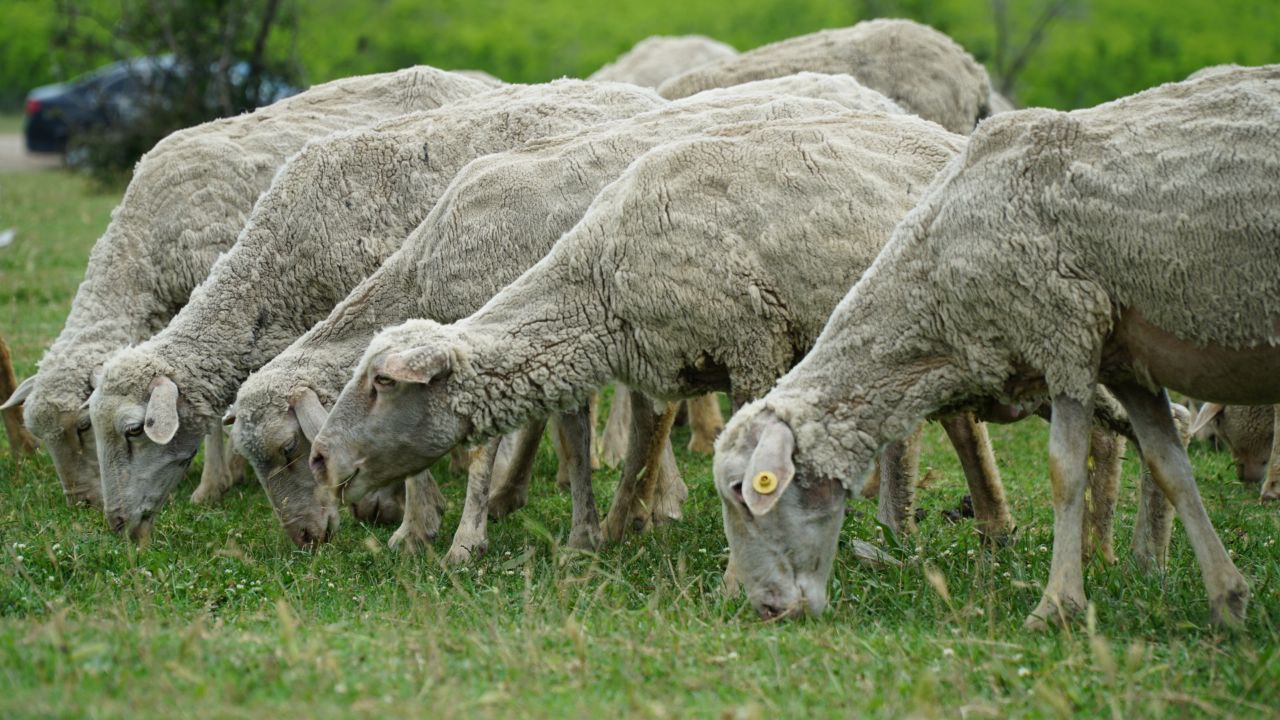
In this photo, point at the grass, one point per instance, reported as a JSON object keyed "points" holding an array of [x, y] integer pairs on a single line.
{"points": [[222, 617], [10, 123]]}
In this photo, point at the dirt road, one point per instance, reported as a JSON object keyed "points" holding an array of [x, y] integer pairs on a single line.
{"points": [[14, 156]]}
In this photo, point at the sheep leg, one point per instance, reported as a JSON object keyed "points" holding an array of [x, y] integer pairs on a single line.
{"points": [[670, 491], [1154, 523], [511, 488], [576, 427], [706, 422], [471, 539], [633, 501], [561, 442], [595, 439], [384, 506], [1162, 449], [423, 509], [216, 477], [1271, 487], [1106, 457], [613, 448], [973, 447], [871, 486], [1068, 452], [899, 468]]}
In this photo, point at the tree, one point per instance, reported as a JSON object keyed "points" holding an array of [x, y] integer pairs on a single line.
{"points": [[191, 61]]}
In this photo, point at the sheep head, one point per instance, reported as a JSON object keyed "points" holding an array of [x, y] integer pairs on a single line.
{"points": [[275, 435], [146, 433], [394, 417], [65, 430], [782, 528]]}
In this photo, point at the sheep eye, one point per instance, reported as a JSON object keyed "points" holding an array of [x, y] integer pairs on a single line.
{"points": [[291, 447], [83, 424], [383, 381], [133, 430]]}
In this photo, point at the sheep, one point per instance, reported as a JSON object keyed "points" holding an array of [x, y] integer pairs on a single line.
{"points": [[1249, 432], [917, 67], [1055, 253], [753, 230], [475, 242], [651, 62], [338, 209], [188, 199], [656, 59]]}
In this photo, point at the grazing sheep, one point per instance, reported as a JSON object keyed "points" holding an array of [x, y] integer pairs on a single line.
{"points": [[1249, 432], [916, 66], [656, 59], [711, 263], [1054, 254], [188, 199], [650, 63], [501, 214], [339, 209]]}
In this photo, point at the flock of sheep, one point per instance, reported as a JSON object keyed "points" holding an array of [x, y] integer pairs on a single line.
{"points": [[447, 262]]}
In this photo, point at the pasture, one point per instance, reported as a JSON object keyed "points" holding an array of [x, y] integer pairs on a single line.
{"points": [[221, 616]]}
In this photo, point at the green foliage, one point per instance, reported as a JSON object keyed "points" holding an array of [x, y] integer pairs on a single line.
{"points": [[222, 617], [1096, 51]]}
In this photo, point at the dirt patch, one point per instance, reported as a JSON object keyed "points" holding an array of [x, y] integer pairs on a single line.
{"points": [[14, 156]]}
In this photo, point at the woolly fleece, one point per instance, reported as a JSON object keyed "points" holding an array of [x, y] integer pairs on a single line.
{"points": [[917, 67]]}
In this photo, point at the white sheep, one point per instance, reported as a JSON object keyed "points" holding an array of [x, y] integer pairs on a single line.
{"points": [[650, 63], [499, 216], [186, 203], [1249, 432], [917, 67], [655, 59], [338, 209], [711, 263], [1060, 250]]}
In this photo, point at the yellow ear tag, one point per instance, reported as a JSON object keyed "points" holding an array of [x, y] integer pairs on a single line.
{"points": [[764, 482]]}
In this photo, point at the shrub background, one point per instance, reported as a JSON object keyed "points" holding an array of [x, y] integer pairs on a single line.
{"points": [[1092, 51]]}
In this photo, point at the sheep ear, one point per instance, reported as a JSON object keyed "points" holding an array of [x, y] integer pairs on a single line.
{"points": [[310, 413], [95, 377], [162, 411], [1208, 412], [19, 395], [770, 471], [419, 365]]}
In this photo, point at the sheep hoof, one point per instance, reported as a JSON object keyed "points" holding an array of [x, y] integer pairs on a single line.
{"points": [[410, 541], [463, 555], [1229, 608], [504, 504], [1054, 611], [702, 445], [613, 527], [209, 493], [668, 505], [585, 537]]}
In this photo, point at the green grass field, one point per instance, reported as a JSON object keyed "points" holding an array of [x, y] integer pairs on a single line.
{"points": [[10, 123], [222, 617]]}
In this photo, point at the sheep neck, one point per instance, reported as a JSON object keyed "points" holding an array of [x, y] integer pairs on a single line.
{"points": [[530, 353]]}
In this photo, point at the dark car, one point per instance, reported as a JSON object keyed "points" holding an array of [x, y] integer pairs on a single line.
{"points": [[115, 95]]}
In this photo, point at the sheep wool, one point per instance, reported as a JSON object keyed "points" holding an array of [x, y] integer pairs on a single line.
{"points": [[711, 263], [1163, 203], [186, 203], [332, 215], [919, 68], [499, 216], [656, 59]]}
